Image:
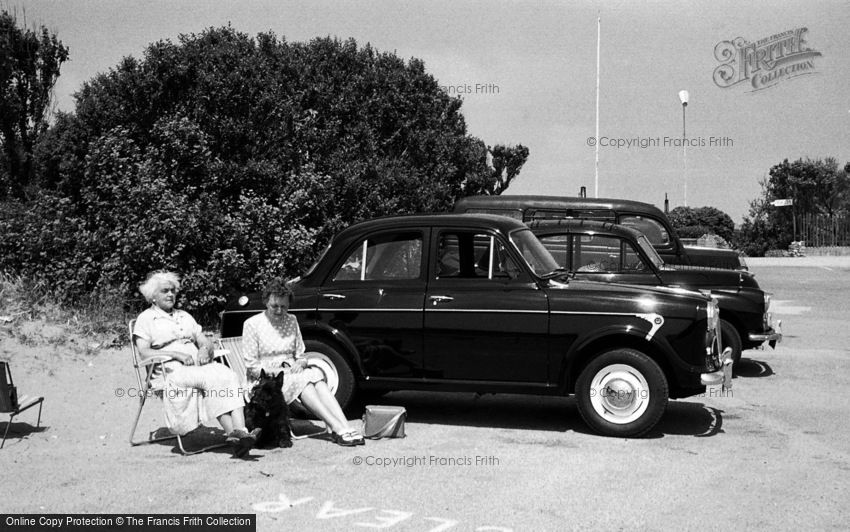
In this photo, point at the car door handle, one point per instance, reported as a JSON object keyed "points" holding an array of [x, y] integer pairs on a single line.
{"points": [[334, 297], [440, 299]]}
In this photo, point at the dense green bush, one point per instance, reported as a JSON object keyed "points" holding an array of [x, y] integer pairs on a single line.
{"points": [[231, 159]]}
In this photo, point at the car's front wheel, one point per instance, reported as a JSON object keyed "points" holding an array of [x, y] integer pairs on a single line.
{"points": [[622, 393], [338, 373]]}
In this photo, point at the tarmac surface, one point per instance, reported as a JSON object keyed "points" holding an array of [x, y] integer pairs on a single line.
{"points": [[772, 453]]}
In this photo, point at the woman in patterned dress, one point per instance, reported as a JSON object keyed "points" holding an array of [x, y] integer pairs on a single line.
{"points": [[272, 341], [195, 389]]}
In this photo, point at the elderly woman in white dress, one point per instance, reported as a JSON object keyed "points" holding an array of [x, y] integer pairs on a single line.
{"points": [[272, 341], [195, 391]]}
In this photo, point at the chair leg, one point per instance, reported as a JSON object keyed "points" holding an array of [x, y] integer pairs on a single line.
{"points": [[180, 445], [40, 403], [6, 433], [197, 451], [324, 430], [134, 442]]}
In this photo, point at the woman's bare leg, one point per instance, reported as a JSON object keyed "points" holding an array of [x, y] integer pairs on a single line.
{"points": [[226, 423], [330, 402], [311, 399], [235, 419]]}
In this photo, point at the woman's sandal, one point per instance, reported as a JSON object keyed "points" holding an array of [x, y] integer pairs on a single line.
{"points": [[356, 436], [242, 441], [346, 439]]}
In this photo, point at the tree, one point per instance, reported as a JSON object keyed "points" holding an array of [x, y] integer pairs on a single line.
{"points": [[231, 159], [816, 186], [503, 165], [761, 231], [29, 67], [692, 222]]}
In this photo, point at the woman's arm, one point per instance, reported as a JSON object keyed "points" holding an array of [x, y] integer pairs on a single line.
{"points": [[205, 347], [251, 350], [300, 363], [299, 341], [146, 352]]}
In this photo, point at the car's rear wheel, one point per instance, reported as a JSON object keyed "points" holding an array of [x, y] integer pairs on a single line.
{"points": [[730, 338], [622, 393], [338, 373]]}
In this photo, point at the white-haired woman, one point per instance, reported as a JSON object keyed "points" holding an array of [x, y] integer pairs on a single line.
{"points": [[195, 391]]}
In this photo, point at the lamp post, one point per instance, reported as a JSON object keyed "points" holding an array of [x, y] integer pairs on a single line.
{"points": [[683, 97]]}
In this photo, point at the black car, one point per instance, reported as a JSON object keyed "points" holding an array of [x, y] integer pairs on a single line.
{"points": [[608, 252], [644, 217], [477, 303]]}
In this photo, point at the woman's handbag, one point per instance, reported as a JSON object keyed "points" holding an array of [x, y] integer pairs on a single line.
{"points": [[384, 422]]}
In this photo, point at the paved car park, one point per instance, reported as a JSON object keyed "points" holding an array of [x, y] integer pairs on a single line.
{"points": [[773, 453]]}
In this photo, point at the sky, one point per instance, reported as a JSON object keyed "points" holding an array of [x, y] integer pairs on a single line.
{"points": [[527, 72]]}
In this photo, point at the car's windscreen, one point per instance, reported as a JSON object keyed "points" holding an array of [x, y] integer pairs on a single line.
{"points": [[653, 229], [318, 260], [653, 255], [535, 254]]}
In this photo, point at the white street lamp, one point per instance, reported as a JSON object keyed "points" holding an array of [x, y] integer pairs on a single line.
{"points": [[683, 97]]}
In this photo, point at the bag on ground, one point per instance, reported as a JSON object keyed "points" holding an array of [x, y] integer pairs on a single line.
{"points": [[381, 421]]}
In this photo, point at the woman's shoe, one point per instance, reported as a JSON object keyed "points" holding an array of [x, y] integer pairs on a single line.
{"points": [[242, 441], [346, 439], [356, 436]]}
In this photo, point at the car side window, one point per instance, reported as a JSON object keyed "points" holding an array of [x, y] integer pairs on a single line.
{"points": [[593, 253], [653, 229], [471, 255], [605, 254], [393, 256]]}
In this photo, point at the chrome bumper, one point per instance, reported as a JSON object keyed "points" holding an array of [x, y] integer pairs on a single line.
{"points": [[722, 376], [774, 336]]}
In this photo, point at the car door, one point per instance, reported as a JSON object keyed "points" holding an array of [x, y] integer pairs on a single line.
{"points": [[374, 295], [485, 318]]}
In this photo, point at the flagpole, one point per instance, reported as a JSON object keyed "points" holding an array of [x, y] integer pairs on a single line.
{"points": [[598, 46]]}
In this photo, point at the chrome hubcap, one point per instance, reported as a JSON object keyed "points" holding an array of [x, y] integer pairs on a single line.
{"points": [[619, 393]]}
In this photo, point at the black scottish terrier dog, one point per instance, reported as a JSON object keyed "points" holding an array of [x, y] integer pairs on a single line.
{"points": [[268, 411]]}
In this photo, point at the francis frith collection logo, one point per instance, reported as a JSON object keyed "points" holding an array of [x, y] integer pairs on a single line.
{"points": [[765, 62]]}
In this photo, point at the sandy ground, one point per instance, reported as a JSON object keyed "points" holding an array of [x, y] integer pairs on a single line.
{"points": [[773, 455]]}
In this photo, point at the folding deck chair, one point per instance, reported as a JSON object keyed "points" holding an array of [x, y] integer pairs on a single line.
{"points": [[232, 353], [10, 403], [146, 388]]}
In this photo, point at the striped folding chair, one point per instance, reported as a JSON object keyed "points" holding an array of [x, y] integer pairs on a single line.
{"points": [[145, 370], [231, 350]]}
